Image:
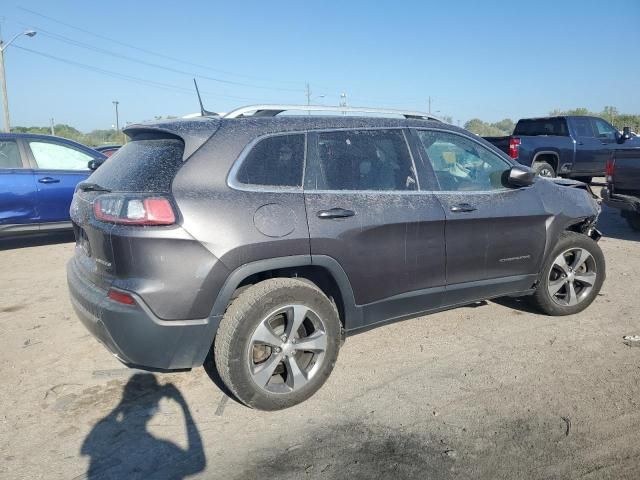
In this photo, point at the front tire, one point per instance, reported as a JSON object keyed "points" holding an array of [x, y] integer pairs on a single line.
{"points": [[571, 276], [277, 343]]}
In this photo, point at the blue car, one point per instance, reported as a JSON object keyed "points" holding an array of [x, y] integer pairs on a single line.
{"points": [[38, 175]]}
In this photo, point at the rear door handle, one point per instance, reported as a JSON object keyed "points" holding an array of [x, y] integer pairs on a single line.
{"points": [[462, 207], [336, 213], [49, 180]]}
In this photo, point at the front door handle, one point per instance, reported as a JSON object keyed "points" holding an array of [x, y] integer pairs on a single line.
{"points": [[336, 213], [462, 207], [49, 180]]}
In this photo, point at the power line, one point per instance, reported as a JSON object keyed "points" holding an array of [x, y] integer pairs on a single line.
{"points": [[77, 43], [150, 52], [121, 76]]}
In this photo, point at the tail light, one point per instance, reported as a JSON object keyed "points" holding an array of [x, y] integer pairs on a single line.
{"points": [[514, 144], [134, 210], [608, 171]]}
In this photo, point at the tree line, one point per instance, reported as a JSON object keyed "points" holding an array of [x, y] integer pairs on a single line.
{"points": [[475, 125]]}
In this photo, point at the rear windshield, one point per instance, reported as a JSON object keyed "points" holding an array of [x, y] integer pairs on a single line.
{"points": [[146, 164], [543, 126]]}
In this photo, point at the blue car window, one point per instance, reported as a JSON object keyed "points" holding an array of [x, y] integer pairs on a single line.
{"points": [[9, 154], [53, 156]]}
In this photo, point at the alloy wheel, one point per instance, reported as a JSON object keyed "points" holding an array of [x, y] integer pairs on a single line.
{"points": [[287, 349], [572, 277]]}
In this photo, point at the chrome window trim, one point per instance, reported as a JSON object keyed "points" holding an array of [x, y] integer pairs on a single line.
{"points": [[232, 180], [462, 135], [403, 131]]}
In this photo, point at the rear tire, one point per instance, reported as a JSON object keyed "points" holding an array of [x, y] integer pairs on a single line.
{"points": [[571, 276], [633, 219], [543, 169], [277, 343]]}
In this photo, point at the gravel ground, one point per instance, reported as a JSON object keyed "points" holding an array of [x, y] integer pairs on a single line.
{"points": [[487, 391]]}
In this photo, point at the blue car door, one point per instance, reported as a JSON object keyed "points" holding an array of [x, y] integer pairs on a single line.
{"points": [[59, 167], [18, 192]]}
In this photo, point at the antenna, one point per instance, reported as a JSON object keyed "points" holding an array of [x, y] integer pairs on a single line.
{"points": [[203, 112]]}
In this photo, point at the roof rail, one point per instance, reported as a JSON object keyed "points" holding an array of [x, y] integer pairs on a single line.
{"points": [[273, 110]]}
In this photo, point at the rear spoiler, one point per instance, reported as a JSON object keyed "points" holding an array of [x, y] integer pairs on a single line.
{"points": [[194, 132]]}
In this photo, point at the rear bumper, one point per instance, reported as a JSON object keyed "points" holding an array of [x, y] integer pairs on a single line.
{"points": [[622, 202], [133, 334]]}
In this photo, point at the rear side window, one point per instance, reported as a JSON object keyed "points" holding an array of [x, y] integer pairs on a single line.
{"points": [[54, 156], [363, 160], [146, 164], [543, 126], [274, 161], [9, 154]]}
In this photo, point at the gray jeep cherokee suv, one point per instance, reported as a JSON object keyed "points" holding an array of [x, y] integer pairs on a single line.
{"points": [[265, 239]]}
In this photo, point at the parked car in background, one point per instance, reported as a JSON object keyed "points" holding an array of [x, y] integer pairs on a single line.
{"points": [[107, 150], [264, 240], [623, 184], [569, 146], [38, 175]]}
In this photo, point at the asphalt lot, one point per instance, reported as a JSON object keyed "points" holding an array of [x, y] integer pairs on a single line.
{"points": [[486, 391]]}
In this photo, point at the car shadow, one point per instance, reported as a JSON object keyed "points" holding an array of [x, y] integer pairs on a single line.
{"points": [[612, 225], [212, 372], [37, 240], [517, 303], [120, 445]]}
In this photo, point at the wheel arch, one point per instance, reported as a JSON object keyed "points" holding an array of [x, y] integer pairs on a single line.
{"points": [[549, 156], [325, 272]]}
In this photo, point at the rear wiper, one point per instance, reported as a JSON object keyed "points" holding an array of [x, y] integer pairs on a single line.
{"points": [[92, 187]]}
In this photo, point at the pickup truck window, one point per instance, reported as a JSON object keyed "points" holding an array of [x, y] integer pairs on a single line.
{"points": [[583, 127], [461, 164], [9, 154], [542, 126], [603, 129]]}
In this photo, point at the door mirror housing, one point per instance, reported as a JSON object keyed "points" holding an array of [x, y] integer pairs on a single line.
{"points": [[520, 176], [626, 133], [94, 164]]}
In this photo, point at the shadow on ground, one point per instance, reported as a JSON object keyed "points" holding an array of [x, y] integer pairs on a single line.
{"points": [[612, 225], [12, 243], [120, 446]]}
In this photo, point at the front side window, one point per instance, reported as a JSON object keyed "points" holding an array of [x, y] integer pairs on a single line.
{"points": [[364, 160], [9, 154], [582, 126], [54, 156], [461, 164], [274, 161], [603, 129]]}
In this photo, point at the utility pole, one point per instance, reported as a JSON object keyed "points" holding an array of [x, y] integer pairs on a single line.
{"points": [[429, 104], [3, 77], [53, 130], [308, 97], [115, 103], [343, 101]]}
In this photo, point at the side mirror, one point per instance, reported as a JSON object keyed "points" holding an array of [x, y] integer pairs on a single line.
{"points": [[626, 133], [520, 176], [94, 164]]}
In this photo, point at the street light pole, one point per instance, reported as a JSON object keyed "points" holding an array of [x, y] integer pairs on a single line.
{"points": [[115, 102], [3, 77]]}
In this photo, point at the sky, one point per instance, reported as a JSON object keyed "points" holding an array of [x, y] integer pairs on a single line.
{"points": [[488, 60]]}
